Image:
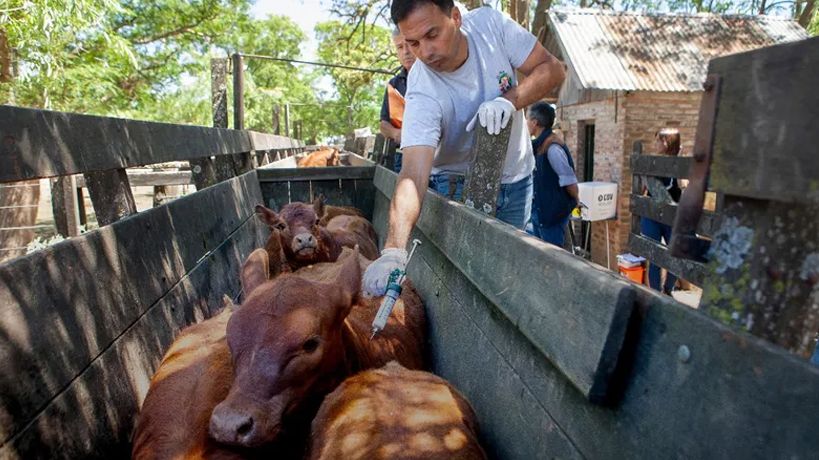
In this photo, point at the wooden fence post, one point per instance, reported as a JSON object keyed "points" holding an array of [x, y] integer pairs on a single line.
{"points": [[483, 178], [65, 206], [110, 194], [243, 162], [218, 84]]}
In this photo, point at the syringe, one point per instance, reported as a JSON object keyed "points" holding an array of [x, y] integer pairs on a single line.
{"points": [[391, 296]]}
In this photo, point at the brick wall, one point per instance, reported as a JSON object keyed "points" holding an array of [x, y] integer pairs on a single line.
{"points": [[639, 115], [608, 154]]}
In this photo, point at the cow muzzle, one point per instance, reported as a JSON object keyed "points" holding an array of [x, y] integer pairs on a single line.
{"points": [[304, 244], [243, 426]]}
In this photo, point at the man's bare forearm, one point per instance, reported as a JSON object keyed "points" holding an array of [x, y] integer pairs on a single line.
{"points": [[389, 131], [409, 195], [546, 73]]}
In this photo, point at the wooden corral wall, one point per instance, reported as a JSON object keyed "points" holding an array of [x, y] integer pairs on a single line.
{"points": [[84, 323], [528, 333]]}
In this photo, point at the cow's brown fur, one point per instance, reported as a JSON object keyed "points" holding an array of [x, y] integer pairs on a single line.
{"points": [[395, 413], [194, 376], [297, 337], [326, 156]]}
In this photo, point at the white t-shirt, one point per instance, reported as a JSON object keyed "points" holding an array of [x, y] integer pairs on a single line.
{"points": [[440, 104]]}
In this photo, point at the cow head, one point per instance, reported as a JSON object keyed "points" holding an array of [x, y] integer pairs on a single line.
{"points": [[286, 345], [302, 239]]}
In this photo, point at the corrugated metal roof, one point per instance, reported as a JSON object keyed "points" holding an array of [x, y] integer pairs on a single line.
{"points": [[658, 52]]}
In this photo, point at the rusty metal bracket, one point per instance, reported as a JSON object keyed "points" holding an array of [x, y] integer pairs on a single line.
{"points": [[684, 242]]}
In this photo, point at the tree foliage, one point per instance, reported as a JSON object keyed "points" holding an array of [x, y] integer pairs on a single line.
{"points": [[368, 47]]}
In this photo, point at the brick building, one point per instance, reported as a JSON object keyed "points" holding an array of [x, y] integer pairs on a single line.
{"points": [[631, 74]]}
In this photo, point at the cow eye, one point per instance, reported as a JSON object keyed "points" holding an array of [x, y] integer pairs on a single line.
{"points": [[311, 345], [317, 221], [280, 226]]}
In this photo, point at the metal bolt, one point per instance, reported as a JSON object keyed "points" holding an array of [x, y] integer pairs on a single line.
{"points": [[197, 169], [683, 354]]}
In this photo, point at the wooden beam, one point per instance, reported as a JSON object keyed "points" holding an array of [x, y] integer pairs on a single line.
{"points": [[203, 172], [111, 195], [658, 254], [772, 148], [644, 206], [65, 205], [661, 166], [151, 178], [325, 173], [483, 178], [576, 315], [39, 143]]}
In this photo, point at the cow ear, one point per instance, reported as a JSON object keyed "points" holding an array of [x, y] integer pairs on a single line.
{"points": [[347, 284], [277, 260], [268, 215], [255, 271], [318, 206]]}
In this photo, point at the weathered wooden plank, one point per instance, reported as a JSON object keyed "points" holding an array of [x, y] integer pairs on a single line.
{"points": [[275, 194], [316, 174], [483, 178], [514, 424], [363, 195], [333, 191], [658, 254], [661, 166], [776, 157], [111, 195], [40, 143], [203, 172], [62, 306], [301, 191], [575, 316], [93, 417], [731, 395], [763, 276], [152, 178], [643, 206], [65, 206]]}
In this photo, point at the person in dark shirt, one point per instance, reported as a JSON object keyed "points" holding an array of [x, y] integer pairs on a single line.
{"points": [[555, 183], [392, 107], [667, 142]]}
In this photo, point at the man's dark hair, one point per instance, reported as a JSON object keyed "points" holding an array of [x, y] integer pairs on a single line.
{"points": [[543, 113], [400, 9]]}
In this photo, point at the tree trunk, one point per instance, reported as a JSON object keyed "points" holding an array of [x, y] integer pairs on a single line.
{"points": [[5, 58], [539, 21], [807, 13], [519, 11]]}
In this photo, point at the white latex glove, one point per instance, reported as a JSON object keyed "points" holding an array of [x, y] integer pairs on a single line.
{"points": [[494, 115], [374, 282]]}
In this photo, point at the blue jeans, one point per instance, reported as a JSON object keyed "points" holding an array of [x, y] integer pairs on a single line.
{"points": [[655, 230], [399, 157], [514, 200], [551, 234]]}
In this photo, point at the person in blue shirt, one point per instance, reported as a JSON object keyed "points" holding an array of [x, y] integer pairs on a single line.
{"points": [[555, 183]]}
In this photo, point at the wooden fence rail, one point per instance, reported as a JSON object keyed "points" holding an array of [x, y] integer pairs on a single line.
{"points": [[646, 170]]}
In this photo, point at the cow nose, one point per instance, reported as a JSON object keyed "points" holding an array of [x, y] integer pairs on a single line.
{"points": [[305, 240], [231, 427]]}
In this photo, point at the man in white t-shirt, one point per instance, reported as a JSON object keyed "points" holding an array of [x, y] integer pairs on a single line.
{"points": [[465, 73]]}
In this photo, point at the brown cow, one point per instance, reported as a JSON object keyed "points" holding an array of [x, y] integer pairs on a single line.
{"points": [[305, 242], [297, 337], [325, 156], [395, 413], [194, 376]]}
